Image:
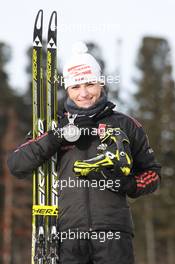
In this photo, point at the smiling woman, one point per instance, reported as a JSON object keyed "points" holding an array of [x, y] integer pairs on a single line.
{"points": [[125, 157]]}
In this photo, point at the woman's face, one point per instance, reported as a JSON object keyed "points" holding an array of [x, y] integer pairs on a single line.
{"points": [[86, 94]]}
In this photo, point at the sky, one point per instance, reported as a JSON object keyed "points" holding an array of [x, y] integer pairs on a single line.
{"points": [[103, 22]]}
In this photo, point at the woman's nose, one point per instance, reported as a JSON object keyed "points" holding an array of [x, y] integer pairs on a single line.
{"points": [[83, 91]]}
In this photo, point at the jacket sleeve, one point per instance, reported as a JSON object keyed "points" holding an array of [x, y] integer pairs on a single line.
{"points": [[32, 154], [146, 170]]}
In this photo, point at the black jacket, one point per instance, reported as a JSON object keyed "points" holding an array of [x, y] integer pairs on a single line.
{"points": [[89, 208]]}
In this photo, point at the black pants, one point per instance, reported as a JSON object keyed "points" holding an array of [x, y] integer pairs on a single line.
{"points": [[96, 251]]}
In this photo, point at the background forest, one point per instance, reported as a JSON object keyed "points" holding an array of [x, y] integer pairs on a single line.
{"points": [[152, 103]]}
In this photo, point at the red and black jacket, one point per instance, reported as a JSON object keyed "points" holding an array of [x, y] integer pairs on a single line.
{"points": [[90, 208]]}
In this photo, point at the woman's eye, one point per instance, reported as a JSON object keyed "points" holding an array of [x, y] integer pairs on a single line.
{"points": [[90, 84]]}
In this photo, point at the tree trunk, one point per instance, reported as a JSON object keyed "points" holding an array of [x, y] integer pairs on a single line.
{"points": [[149, 231], [170, 250]]}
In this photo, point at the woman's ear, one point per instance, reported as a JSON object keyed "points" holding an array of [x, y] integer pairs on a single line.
{"points": [[103, 90], [67, 93]]}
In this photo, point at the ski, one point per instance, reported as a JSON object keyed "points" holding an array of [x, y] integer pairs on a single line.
{"points": [[44, 103], [39, 191], [51, 122]]}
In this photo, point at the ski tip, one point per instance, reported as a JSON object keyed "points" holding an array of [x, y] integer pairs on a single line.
{"points": [[53, 21], [38, 27], [39, 19]]}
